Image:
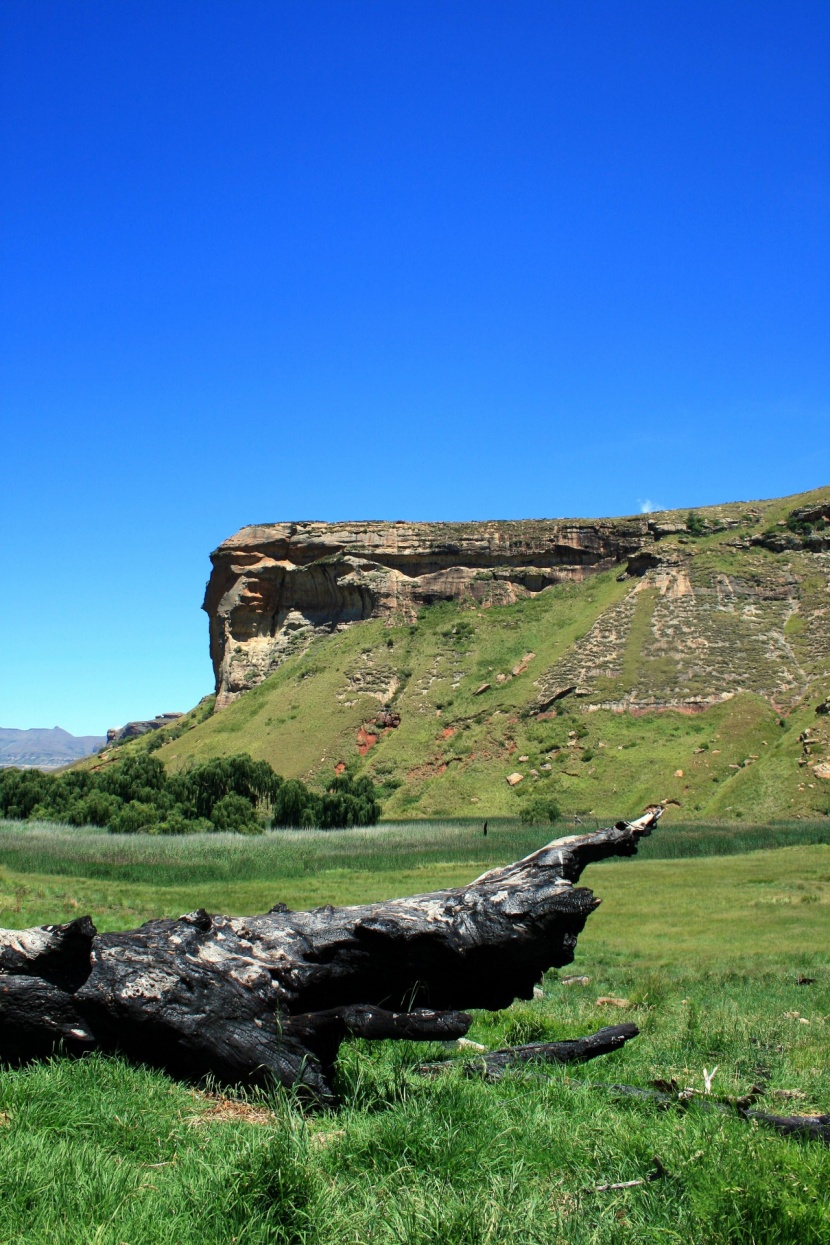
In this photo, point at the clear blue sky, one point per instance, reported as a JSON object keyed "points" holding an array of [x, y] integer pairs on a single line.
{"points": [[434, 260]]}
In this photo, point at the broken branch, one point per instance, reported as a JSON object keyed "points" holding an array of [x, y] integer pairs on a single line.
{"points": [[576, 1050]]}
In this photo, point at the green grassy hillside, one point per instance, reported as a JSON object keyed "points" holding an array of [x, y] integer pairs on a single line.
{"points": [[694, 683]]}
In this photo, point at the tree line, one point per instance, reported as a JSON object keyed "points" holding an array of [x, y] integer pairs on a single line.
{"points": [[136, 795]]}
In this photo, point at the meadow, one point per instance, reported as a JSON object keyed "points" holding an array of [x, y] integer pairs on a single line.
{"points": [[702, 939]]}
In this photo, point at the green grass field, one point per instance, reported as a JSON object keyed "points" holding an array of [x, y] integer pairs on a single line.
{"points": [[705, 947]]}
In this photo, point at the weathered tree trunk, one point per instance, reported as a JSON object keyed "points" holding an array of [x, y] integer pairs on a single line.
{"points": [[248, 998]]}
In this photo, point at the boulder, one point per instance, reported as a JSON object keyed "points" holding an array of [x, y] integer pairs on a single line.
{"points": [[133, 730]]}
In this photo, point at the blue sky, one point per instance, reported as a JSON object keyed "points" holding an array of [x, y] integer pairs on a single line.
{"points": [[434, 260]]}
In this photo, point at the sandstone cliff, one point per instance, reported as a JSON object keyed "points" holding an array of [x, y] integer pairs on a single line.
{"points": [[275, 586], [609, 663], [704, 629]]}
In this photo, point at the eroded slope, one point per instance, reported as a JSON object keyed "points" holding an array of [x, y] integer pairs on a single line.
{"points": [[687, 671]]}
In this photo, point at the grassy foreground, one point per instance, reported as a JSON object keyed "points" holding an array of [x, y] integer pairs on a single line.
{"points": [[704, 951]]}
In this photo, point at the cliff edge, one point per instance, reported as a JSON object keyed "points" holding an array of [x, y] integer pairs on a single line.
{"points": [[274, 587]]}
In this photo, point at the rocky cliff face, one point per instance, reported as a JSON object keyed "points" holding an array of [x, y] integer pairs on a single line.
{"points": [[726, 600], [691, 632], [608, 664], [276, 586]]}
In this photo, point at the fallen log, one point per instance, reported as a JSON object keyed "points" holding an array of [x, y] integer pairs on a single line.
{"points": [[809, 1127], [273, 996]]}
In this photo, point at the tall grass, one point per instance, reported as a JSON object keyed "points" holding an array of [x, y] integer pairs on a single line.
{"points": [[45, 848]]}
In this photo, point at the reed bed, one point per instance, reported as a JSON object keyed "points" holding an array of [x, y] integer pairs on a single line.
{"points": [[47, 848]]}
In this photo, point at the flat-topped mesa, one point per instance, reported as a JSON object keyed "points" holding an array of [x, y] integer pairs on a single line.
{"points": [[273, 586]]}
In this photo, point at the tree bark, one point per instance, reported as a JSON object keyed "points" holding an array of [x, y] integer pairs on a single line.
{"points": [[273, 996]]}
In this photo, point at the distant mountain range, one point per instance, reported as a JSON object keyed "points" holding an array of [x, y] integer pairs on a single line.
{"points": [[44, 747]]}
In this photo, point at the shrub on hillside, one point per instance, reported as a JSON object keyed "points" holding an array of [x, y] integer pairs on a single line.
{"points": [[135, 817], [176, 823], [347, 802], [294, 805], [540, 811], [204, 785], [97, 808], [137, 777], [23, 791]]}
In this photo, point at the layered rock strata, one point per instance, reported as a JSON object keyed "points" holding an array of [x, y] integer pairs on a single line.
{"points": [[688, 635], [275, 586]]}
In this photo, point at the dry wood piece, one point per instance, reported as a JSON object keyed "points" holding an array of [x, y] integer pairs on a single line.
{"points": [[273, 996], [809, 1127], [658, 1172], [576, 1050]]}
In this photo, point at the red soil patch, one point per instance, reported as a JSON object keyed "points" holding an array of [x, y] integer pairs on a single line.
{"points": [[365, 741]]}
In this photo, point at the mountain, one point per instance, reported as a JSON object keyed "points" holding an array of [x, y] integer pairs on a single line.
{"points": [[470, 668], [45, 748]]}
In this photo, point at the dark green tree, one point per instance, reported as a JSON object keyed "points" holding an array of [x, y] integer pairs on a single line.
{"points": [[233, 812], [294, 805]]}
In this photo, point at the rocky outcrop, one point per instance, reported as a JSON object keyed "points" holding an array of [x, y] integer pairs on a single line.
{"points": [[275, 586], [133, 730], [789, 542], [806, 527]]}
